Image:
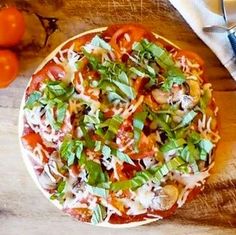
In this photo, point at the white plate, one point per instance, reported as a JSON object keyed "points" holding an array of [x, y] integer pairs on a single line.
{"points": [[21, 127]]}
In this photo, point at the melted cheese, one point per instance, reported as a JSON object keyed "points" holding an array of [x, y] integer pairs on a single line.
{"points": [[189, 182]]}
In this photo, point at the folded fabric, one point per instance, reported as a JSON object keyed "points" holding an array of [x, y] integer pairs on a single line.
{"points": [[198, 15]]}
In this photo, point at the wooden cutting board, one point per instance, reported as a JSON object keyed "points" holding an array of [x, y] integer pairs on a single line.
{"points": [[23, 209]]}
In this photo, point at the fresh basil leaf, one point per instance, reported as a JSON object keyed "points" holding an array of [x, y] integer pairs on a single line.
{"points": [[186, 119], [70, 149], [137, 72], [187, 154], [32, 100], [58, 89], [98, 145], [121, 185], [203, 155], [173, 76], [95, 173], [206, 145], [113, 96], [155, 174], [106, 151], [50, 117], [123, 157], [173, 144], [174, 163], [113, 125], [100, 192], [98, 42], [126, 89], [206, 97], [78, 148], [93, 60], [88, 141], [61, 186], [61, 113], [94, 119], [194, 137], [99, 214], [138, 124], [161, 123]]}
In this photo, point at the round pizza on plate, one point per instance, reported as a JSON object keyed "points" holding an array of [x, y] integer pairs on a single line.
{"points": [[118, 126]]}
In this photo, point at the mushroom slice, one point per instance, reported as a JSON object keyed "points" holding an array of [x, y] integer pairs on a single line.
{"points": [[168, 196]]}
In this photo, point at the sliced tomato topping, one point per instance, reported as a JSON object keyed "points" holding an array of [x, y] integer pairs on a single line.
{"points": [[32, 139], [56, 70], [145, 147], [139, 84], [124, 37], [82, 214]]}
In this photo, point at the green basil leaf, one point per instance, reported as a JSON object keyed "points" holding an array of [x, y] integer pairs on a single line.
{"points": [[174, 144], [173, 76], [98, 145], [106, 151], [93, 60], [203, 155], [186, 119], [98, 42], [138, 124], [88, 141], [113, 125], [32, 100], [159, 120], [95, 173], [61, 186], [113, 96], [50, 117], [174, 163], [94, 119], [100, 192], [194, 137], [155, 174], [61, 113], [70, 149], [126, 89], [99, 214], [205, 99], [206, 145], [137, 72], [78, 148], [123, 157]]}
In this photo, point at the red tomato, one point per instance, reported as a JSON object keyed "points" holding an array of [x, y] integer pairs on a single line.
{"points": [[9, 67], [139, 84], [82, 214], [145, 148], [126, 35], [32, 139], [56, 70], [12, 26]]}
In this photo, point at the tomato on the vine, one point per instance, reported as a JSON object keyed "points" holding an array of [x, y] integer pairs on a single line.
{"points": [[9, 67], [12, 26]]}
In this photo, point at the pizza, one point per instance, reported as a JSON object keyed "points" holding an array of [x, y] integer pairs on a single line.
{"points": [[119, 126]]}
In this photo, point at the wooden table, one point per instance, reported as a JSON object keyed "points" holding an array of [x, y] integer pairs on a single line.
{"points": [[23, 209]]}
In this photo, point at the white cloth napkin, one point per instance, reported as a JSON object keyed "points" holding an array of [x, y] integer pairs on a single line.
{"points": [[197, 16]]}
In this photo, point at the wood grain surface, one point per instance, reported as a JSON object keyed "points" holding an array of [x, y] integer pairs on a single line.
{"points": [[23, 209]]}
